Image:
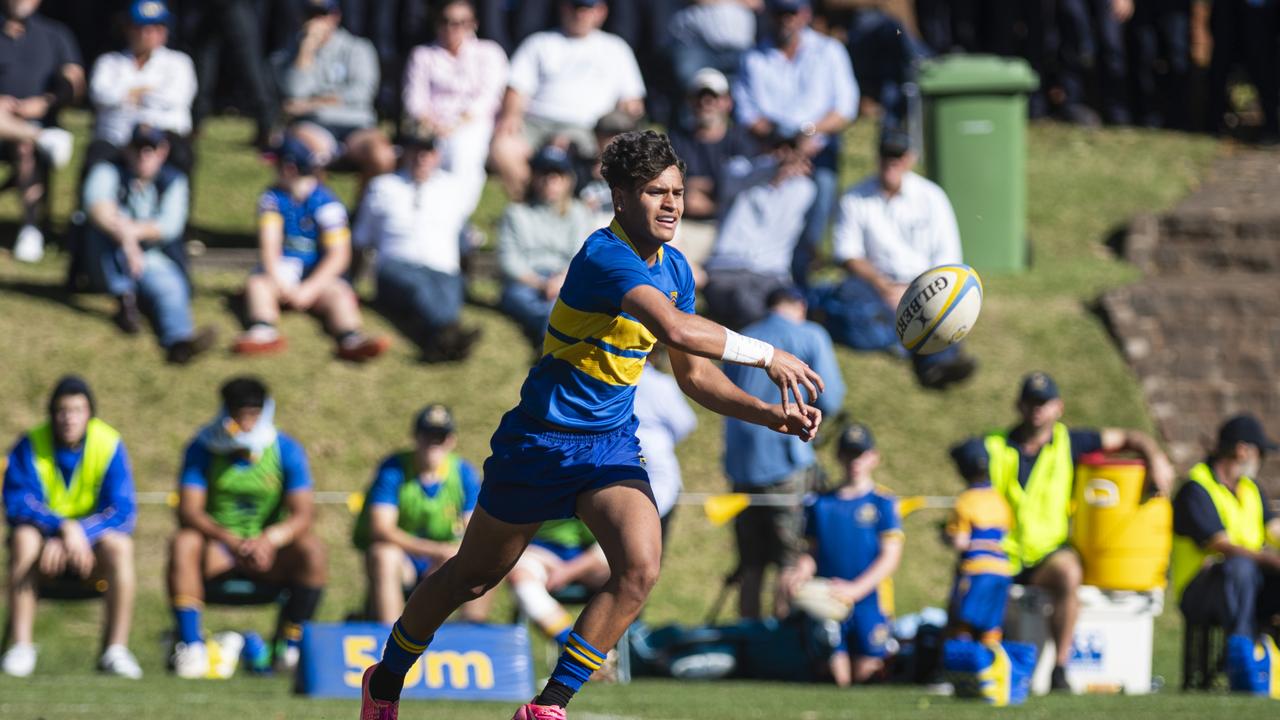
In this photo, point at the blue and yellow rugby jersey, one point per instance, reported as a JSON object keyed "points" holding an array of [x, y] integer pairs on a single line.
{"points": [[849, 530], [593, 352], [982, 514], [309, 226]]}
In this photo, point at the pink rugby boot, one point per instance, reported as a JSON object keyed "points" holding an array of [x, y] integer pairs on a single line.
{"points": [[371, 709]]}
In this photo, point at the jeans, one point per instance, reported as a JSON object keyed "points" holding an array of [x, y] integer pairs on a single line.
{"points": [[1094, 40], [529, 308], [162, 289], [1161, 34], [428, 298]]}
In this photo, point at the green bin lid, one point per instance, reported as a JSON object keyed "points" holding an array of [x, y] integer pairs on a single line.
{"points": [[964, 74]]}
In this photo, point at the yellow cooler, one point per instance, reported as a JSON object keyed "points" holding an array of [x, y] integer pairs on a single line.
{"points": [[1124, 543]]}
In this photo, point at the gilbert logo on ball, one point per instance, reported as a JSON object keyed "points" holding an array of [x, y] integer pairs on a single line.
{"points": [[939, 308]]}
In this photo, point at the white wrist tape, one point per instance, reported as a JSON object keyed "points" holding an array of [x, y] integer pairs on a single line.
{"points": [[743, 350]]}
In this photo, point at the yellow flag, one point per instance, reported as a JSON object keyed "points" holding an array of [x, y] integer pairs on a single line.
{"points": [[908, 505], [720, 509]]}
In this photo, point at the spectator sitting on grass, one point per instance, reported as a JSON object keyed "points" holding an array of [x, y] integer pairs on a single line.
{"points": [[40, 72], [146, 83], [562, 82], [69, 501], [855, 541], [328, 81], [304, 246], [137, 211], [536, 241], [246, 507], [414, 219], [414, 515]]}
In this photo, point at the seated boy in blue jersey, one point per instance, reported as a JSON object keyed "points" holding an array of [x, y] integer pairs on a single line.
{"points": [[245, 508], [414, 514], [570, 449], [855, 540], [977, 529], [304, 242], [68, 498], [563, 552]]}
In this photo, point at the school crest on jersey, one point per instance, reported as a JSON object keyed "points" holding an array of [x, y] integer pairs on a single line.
{"points": [[868, 514]]}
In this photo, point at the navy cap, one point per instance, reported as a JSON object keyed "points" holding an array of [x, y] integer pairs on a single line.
{"points": [[149, 12], [791, 6], [855, 440], [147, 136], [434, 419], [783, 293], [1244, 428], [895, 143], [1038, 387], [71, 385], [293, 151], [551, 159], [322, 7], [971, 458]]}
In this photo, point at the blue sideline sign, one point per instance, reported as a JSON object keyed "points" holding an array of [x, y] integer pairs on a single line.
{"points": [[465, 662]]}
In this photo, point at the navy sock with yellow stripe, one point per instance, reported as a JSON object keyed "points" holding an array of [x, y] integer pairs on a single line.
{"points": [[577, 661], [401, 653]]}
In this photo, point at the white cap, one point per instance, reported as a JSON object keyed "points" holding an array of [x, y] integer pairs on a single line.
{"points": [[710, 79]]}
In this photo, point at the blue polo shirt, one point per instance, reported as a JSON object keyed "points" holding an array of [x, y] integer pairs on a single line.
{"points": [[848, 532]]}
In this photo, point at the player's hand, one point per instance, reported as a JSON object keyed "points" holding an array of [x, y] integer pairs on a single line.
{"points": [[1269, 560], [304, 296], [135, 258], [1161, 475], [551, 287], [848, 591], [791, 374], [79, 551], [802, 423], [257, 554], [53, 558], [33, 108]]}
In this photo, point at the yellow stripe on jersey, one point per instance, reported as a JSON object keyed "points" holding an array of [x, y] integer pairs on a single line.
{"points": [[270, 219], [611, 349], [985, 565], [336, 236]]}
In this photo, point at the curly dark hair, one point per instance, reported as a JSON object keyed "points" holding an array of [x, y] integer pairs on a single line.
{"points": [[635, 158]]}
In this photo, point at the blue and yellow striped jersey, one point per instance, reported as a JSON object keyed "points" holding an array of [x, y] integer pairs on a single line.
{"points": [[593, 352], [983, 515]]}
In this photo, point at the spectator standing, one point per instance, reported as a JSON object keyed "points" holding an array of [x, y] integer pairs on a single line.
{"points": [[1160, 32], [69, 502], [454, 87], [414, 514], [562, 82], [1223, 571], [414, 219], [775, 467], [707, 149], [145, 84], [233, 26], [758, 236], [711, 34], [536, 241], [799, 85], [855, 541], [890, 227], [665, 420], [246, 507], [328, 81], [137, 209], [40, 72], [1033, 466], [304, 244]]}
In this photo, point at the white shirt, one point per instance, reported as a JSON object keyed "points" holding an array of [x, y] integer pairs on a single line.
{"points": [[901, 236], [575, 81], [416, 223], [665, 419], [170, 82]]}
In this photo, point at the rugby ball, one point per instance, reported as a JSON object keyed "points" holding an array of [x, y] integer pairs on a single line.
{"points": [[815, 599], [939, 308]]}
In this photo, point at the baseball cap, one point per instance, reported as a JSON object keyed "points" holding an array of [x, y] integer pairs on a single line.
{"points": [[551, 159], [1245, 428], [783, 294], [293, 151], [709, 79], [434, 419], [321, 7], [147, 136], [895, 143], [1038, 387], [855, 440], [71, 385], [971, 458], [777, 6], [615, 122], [149, 12]]}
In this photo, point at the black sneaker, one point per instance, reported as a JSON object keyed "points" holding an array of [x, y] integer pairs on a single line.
{"points": [[184, 351], [1058, 680], [127, 316]]}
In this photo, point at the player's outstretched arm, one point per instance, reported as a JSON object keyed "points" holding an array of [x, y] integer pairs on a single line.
{"points": [[696, 336], [707, 384]]}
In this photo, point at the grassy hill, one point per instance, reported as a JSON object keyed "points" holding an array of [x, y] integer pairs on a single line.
{"points": [[1083, 186]]}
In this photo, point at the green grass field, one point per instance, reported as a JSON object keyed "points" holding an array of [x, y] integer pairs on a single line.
{"points": [[1083, 185]]}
